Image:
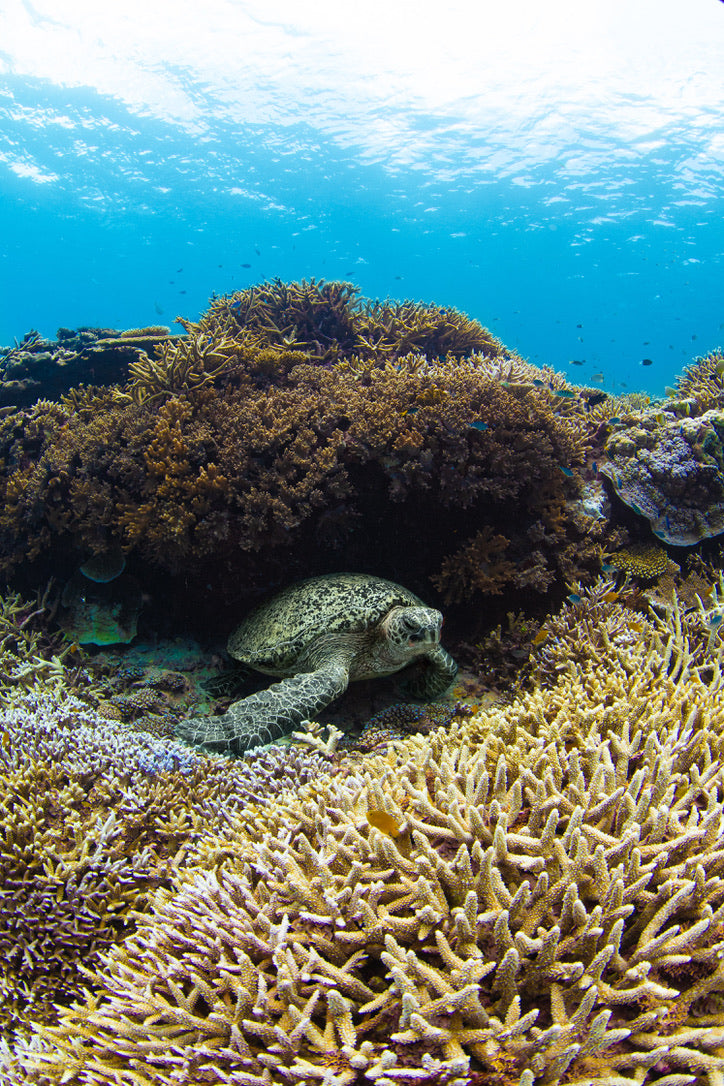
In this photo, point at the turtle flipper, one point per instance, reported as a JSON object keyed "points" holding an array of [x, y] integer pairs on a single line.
{"points": [[264, 716], [432, 675]]}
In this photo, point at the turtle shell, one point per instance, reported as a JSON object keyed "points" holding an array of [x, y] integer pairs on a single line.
{"points": [[274, 636]]}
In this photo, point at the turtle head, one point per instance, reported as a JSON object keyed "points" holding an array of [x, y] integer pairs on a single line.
{"points": [[410, 632]]}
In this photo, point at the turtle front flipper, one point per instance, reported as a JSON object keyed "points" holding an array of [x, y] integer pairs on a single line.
{"points": [[264, 716], [432, 675]]}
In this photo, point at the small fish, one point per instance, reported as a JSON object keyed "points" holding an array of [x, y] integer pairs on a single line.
{"points": [[178, 271], [577, 361], [540, 637], [564, 393], [257, 252], [610, 597], [597, 377], [647, 361], [246, 265], [715, 619], [538, 383], [579, 326], [566, 471], [410, 411], [607, 567], [381, 820], [478, 424], [614, 421], [574, 598]]}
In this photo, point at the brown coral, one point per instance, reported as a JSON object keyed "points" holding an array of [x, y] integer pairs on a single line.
{"points": [[288, 456]]}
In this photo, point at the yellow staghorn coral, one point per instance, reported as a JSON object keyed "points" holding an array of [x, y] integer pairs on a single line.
{"points": [[544, 903], [702, 383], [180, 365]]}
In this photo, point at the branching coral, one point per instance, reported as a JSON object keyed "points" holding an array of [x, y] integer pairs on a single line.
{"points": [[702, 382], [92, 817], [30, 655], [537, 896], [282, 459]]}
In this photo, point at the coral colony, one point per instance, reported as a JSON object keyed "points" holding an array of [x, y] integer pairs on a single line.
{"points": [[519, 885]]}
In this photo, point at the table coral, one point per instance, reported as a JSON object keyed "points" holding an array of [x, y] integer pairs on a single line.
{"points": [[671, 471], [544, 905]]}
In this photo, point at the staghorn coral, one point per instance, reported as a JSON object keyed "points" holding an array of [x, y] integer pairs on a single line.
{"points": [[702, 384], [31, 656], [329, 321], [92, 817], [671, 471], [181, 364], [545, 904]]}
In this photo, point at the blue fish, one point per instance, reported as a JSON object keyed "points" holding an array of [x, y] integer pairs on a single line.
{"points": [[479, 425], [574, 598], [566, 471]]}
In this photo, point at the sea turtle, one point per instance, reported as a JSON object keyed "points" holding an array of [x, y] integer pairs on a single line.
{"points": [[318, 635]]}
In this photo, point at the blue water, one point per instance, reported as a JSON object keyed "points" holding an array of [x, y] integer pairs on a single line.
{"points": [[576, 207]]}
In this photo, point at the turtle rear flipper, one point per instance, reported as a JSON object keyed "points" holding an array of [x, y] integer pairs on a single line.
{"points": [[268, 714], [432, 675]]}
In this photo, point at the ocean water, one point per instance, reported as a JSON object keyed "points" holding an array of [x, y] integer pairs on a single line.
{"points": [[556, 171]]}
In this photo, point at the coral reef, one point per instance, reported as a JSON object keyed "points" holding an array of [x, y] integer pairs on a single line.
{"points": [[702, 383], [265, 461], [646, 561], [93, 816], [328, 321], [670, 470], [536, 896], [38, 367], [32, 655]]}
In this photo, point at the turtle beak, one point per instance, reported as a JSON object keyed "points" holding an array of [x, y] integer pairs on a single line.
{"points": [[430, 635]]}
